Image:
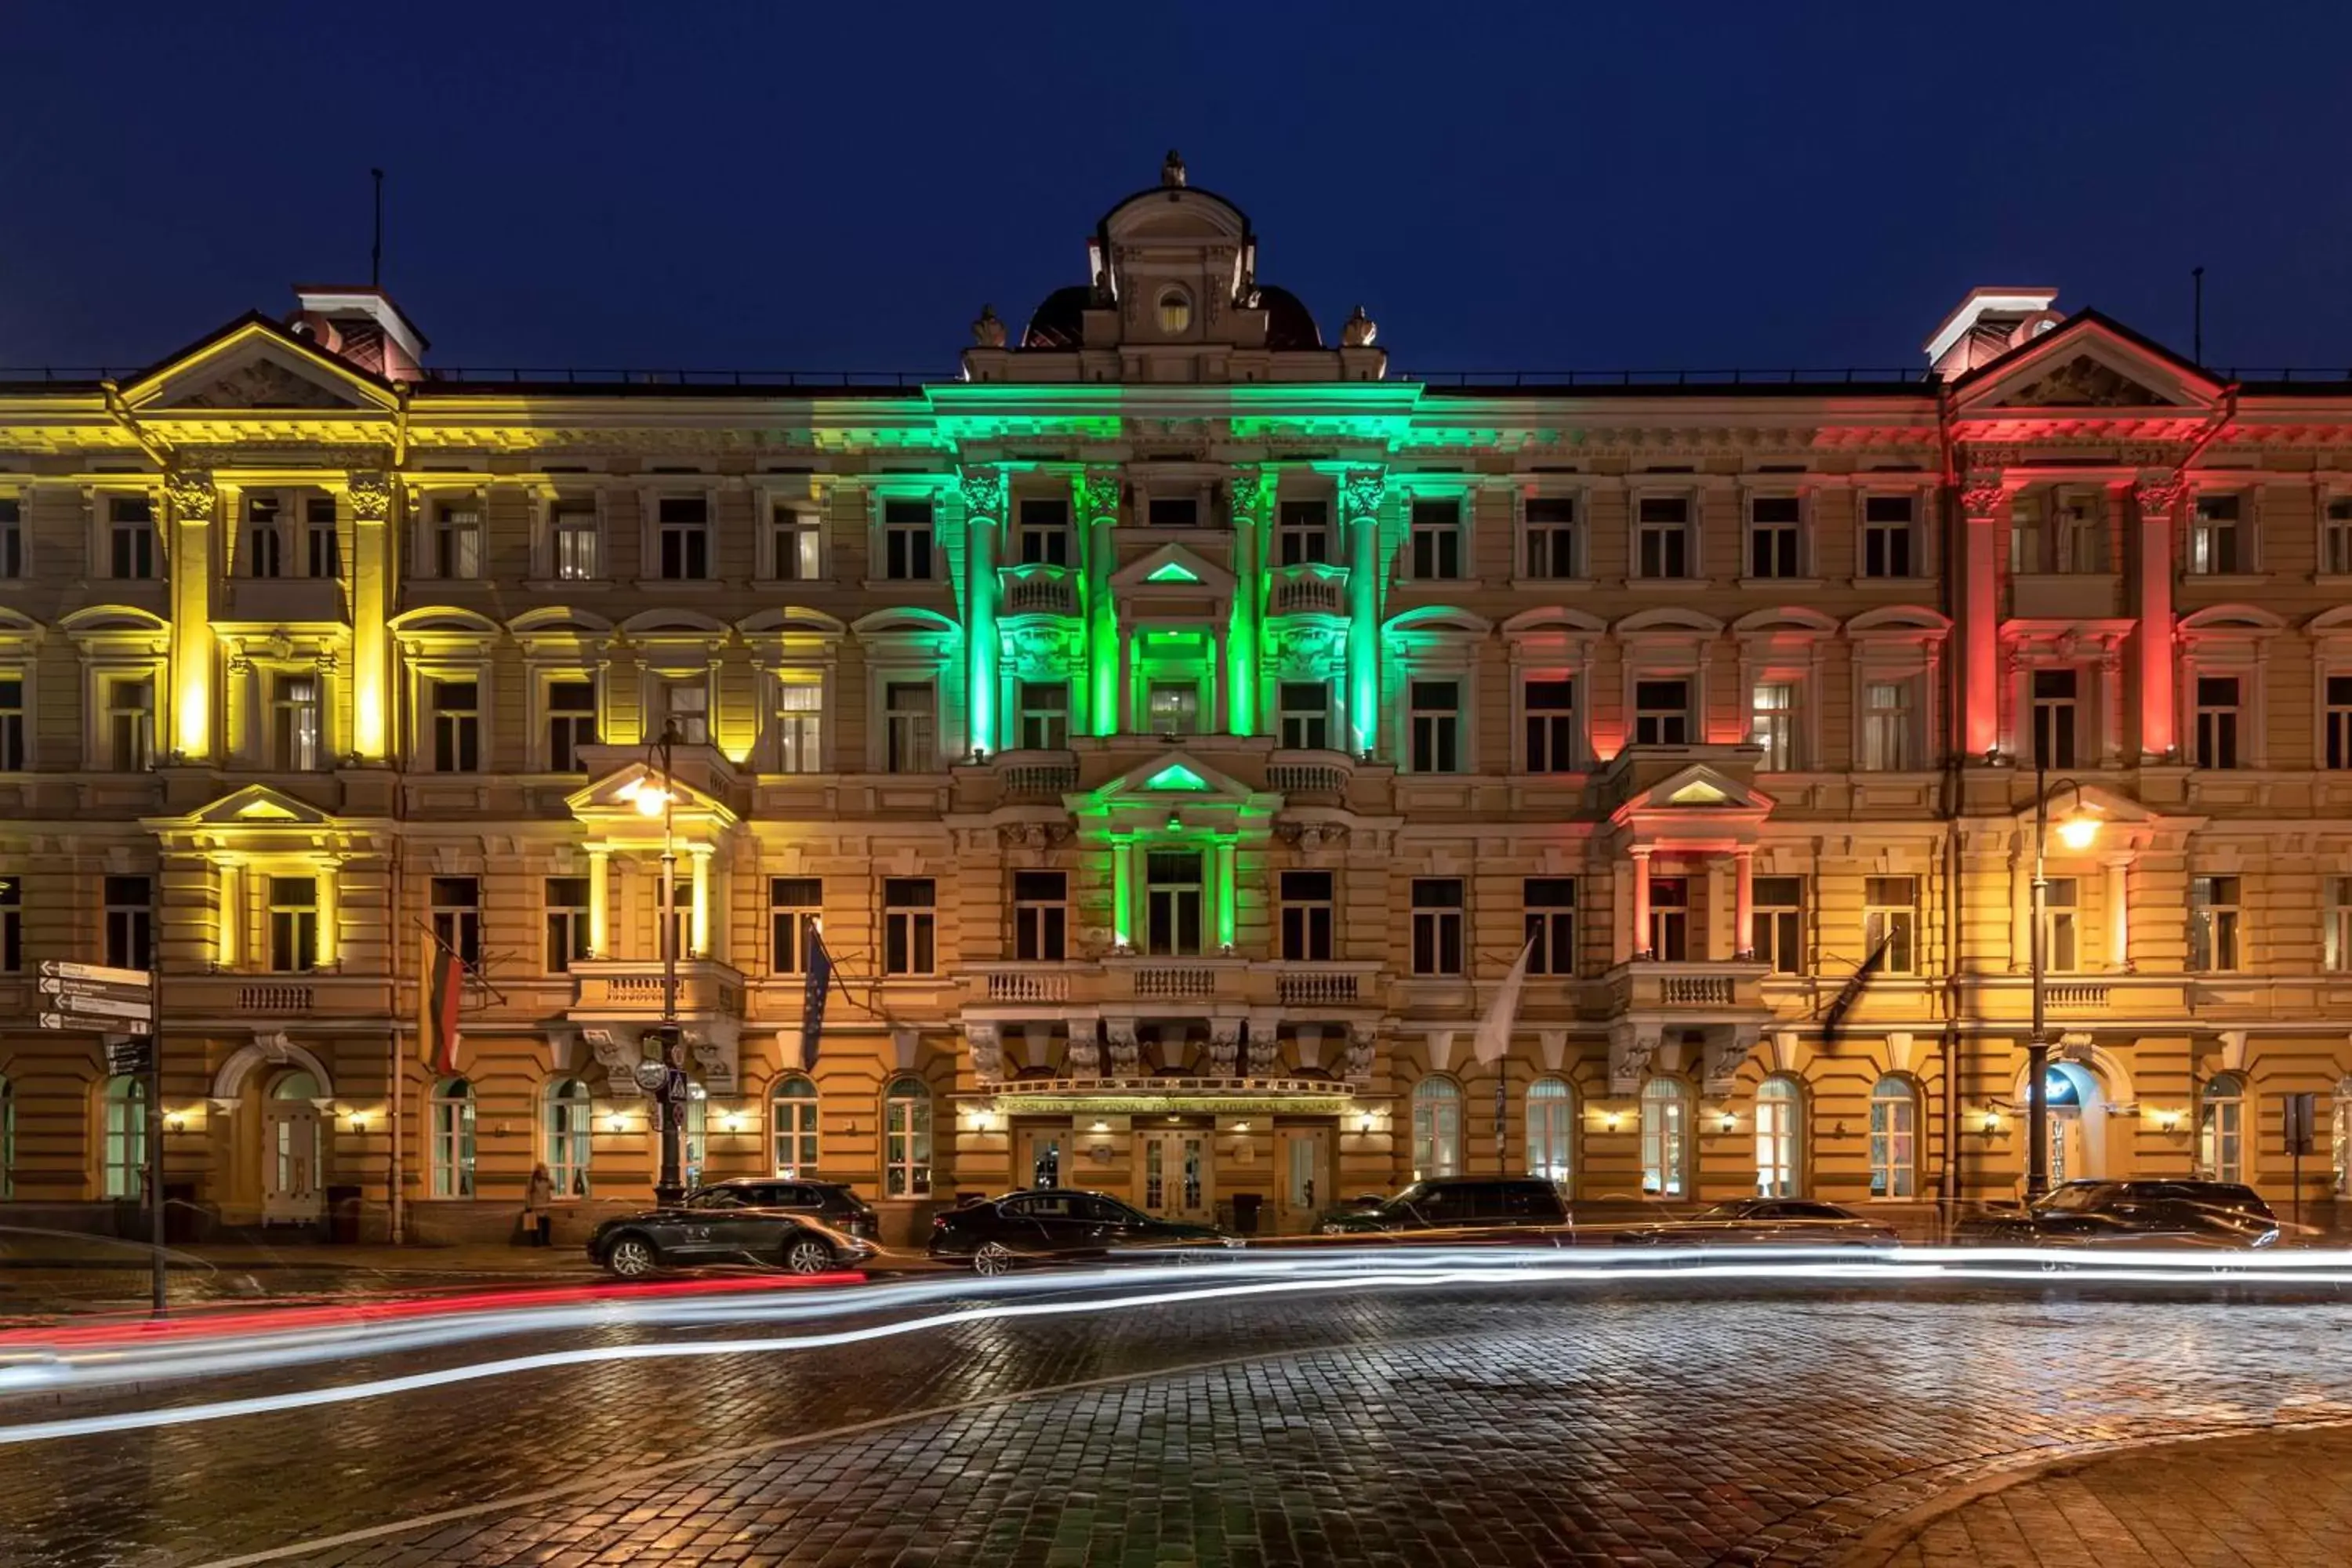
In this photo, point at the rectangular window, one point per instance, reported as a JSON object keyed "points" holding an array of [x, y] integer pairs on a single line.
{"points": [[297, 723], [1308, 910], [1437, 906], [457, 726], [1041, 916], [573, 535], [1662, 537], [1174, 511], [129, 923], [130, 528], [456, 539], [793, 540], [1437, 726], [1306, 714], [2217, 721], [322, 549], [795, 914], [12, 723], [456, 915], [2336, 537], [1772, 533], [1776, 925], [909, 925], [910, 723], [683, 704], [2213, 917], [293, 924], [2058, 930], [1551, 704], [1436, 539], [1670, 918], [2339, 721], [567, 922], [265, 537], [12, 924], [1662, 712], [1043, 532], [1045, 715], [1550, 908], [2055, 717], [1888, 541], [684, 524], [2338, 934], [129, 724], [12, 537], [2217, 544], [1554, 551], [1888, 725], [1890, 913], [907, 541], [1174, 707], [1303, 533], [2074, 534], [800, 725], [571, 723], [1772, 725], [1171, 890]]}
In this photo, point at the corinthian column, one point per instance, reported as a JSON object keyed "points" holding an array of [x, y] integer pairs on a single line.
{"points": [[190, 561], [1981, 504], [2159, 503], [1095, 493], [371, 502], [983, 513], [1360, 494]]}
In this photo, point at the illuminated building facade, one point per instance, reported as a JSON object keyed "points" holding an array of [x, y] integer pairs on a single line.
{"points": [[1177, 726]]}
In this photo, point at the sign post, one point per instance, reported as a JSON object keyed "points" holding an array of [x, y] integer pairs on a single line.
{"points": [[119, 1005], [2302, 1132]]}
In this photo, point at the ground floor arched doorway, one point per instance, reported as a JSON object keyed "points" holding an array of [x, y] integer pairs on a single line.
{"points": [[293, 1146]]}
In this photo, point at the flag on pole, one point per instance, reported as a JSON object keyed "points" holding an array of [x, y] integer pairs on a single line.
{"points": [[1494, 1036], [820, 982], [442, 976]]}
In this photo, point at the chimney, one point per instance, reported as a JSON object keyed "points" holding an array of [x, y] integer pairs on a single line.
{"points": [[360, 325], [1986, 324]]}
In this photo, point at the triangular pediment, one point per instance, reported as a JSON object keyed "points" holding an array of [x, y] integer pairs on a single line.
{"points": [[1698, 788], [254, 364], [1173, 568], [1175, 779], [2086, 362], [2110, 810], [618, 803], [257, 806]]}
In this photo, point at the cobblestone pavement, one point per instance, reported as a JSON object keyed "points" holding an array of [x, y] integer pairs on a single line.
{"points": [[1490, 1426]]}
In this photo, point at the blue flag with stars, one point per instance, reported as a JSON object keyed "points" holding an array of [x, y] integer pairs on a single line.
{"points": [[820, 981]]}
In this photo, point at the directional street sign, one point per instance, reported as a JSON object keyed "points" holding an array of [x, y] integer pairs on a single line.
{"points": [[59, 969], [98, 1024], [137, 996], [126, 1057], [104, 1006]]}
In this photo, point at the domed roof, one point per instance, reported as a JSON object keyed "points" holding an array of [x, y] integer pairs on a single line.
{"points": [[1061, 321], [1290, 324]]}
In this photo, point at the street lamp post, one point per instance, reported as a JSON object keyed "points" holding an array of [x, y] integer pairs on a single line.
{"points": [[669, 1098], [2076, 831]]}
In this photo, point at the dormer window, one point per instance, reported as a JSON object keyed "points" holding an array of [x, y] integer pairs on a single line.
{"points": [[1175, 311]]}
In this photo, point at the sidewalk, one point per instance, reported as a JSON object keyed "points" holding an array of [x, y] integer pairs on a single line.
{"points": [[2267, 1499], [42, 1286]]}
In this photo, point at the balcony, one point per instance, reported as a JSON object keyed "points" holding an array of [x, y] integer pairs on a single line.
{"points": [[1172, 984], [2063, 596], [1300, 985], [1037, 590], [1310, 590], [1037, 775], [1026, 983], [1297, 773], [323, 993], [1695, 990], [633, 988]]}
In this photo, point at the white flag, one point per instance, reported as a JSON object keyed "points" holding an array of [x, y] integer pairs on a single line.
{"points": [[1493, 1038]]}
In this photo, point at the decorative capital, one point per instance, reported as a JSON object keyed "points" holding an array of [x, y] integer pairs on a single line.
{"points": [[983, 491], [371, 495], [1982, 496], [2159, 497], [191, 494], [1360, 494], [1097, 492], [1249, 497]]}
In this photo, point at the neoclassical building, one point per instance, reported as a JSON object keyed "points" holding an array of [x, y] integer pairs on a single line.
{"points": [[1176, 724]]}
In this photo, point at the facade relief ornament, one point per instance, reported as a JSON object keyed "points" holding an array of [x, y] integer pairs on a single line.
{"points": [[1356, 1064], [1097, 493], [1259, 1058], [988, 331], [1040, 649], [1224, 1048], [2159, 497], [1360, 494], [371, 497], [1723, 1059], [191, 495], [1633, 1047], [1126, 1061], [1084, 1057], [987, 1052], [1359, 329], [983, 492], [1982, 496], [1033, 834]]}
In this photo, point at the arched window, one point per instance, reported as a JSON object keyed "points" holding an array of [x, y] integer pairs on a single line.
{"points": [[7, 1138], [907, 1140], [1779, 1111], [451, 1157], [792, 1121], [1665, 1139], [1894, 1139], [1175, 310], [569, 1121], [1551, 1124], [694, 1149], [126, 1136], [2221, 1130], [1436, 1128]]}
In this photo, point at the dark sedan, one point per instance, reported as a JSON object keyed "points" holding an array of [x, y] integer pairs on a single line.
{"points": [[1792, 1221], [2148, 1214], [1049, 1223], [1483, 1210], [734, 1222]]}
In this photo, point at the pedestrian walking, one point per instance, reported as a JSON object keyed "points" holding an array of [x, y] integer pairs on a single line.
{"points": [[539, 1207]]}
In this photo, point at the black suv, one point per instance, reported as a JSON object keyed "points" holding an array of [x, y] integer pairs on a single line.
{"points": [[800, 1226], [2109, 1214], [1479, 1208]]}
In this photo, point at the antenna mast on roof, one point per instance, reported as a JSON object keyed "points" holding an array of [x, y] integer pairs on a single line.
{"points": [[2197, 316], [375, 250]]}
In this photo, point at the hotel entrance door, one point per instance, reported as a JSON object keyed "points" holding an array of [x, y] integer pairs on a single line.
{"points": [[1174, 1176]]}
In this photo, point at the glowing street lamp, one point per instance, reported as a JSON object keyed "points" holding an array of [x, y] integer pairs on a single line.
{"points": [[2076, 830]]}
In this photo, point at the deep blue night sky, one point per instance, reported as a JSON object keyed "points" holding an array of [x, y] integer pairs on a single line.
{"points": [[1546, 187]]}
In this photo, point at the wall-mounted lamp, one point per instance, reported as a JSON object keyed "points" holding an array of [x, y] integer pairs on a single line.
{"points": [[359, 1120], [2167, 1121], [616, 1122], [1727, 1121], [732, 1121], [1991, 1123], [1241, 1126], [175, 1124], [1612, 1120], [1099, 1127], [980, 1121], [1364, 1122]]}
